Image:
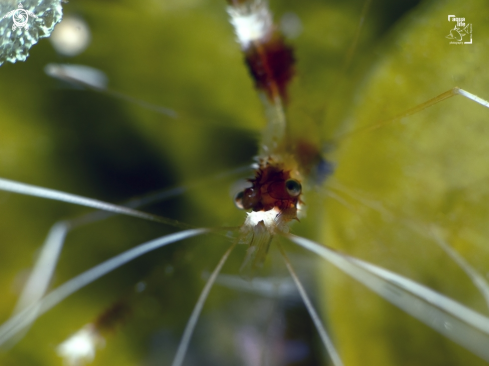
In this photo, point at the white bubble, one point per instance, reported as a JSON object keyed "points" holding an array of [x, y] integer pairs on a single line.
{"points": [[291, 25], [71, 37]]}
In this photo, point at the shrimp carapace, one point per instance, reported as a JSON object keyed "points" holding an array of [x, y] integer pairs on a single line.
{"points": [[274, 197]]}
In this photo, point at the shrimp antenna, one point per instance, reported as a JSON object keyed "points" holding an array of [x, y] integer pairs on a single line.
{"points": [[479, 281], [194, 317], [42, 273], [439, 98], [43, 270], [95, 80], [455, 321], [358, 32], [328, 344], [25, 317], [52, 194]]}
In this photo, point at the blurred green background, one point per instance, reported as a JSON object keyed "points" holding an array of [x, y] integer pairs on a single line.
{"points": [[429, 168]]}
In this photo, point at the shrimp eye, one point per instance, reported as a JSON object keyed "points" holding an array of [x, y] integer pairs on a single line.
{"points": [[238, 200], [293, 187]]}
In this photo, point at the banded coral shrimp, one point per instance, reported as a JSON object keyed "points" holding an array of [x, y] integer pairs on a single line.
{"points": [[187, 170]]}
